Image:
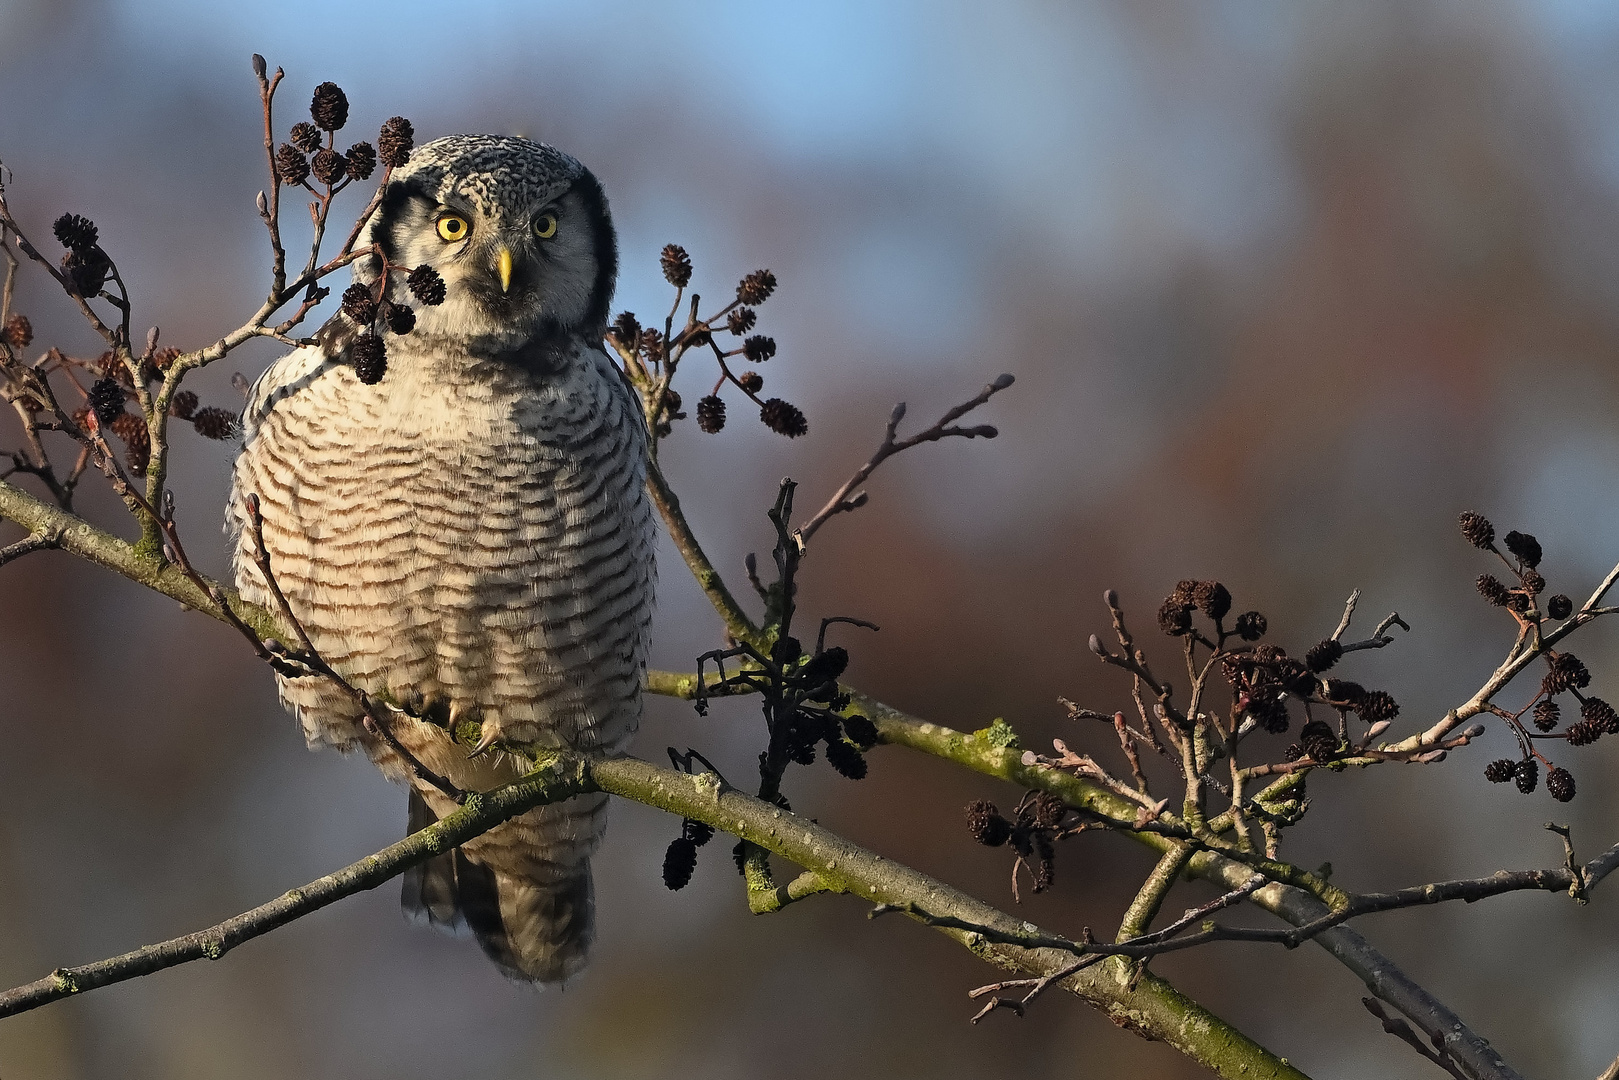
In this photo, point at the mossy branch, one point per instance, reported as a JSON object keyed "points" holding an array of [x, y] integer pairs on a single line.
{"points": [[1151, 1007], [78, 536], [1297, 906]]}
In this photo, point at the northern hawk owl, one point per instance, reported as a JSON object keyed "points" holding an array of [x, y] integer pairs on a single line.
{"points": [[470, 534]]}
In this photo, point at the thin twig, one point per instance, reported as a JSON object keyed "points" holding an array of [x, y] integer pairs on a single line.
{"points": [[30, 543], [843, 501], [549, 783], [375, 721]]}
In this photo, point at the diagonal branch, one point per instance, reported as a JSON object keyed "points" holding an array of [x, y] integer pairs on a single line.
{"points": [[1151, 1006], [555, 780]]}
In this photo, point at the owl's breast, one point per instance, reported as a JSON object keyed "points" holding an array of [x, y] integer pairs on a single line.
{"points": [[475, 529]]}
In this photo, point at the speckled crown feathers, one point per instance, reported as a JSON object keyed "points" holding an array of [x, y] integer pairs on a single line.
{"points": [[493, 172]]}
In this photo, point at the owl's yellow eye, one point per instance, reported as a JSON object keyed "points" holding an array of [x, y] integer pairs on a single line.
{"points": [[452, 227], [545, 226]]}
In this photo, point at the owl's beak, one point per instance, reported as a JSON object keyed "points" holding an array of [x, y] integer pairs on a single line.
{"points": [[505, 269]]}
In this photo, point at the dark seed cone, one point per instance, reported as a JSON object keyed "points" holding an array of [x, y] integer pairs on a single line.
{"points": [[87, 269], [1527, 775], [1048, 810], [305, 136], [1045, 875], [759, 348], [1175, 617], [1518, 601], [1319, 741], [1322, 656], [1477, 530], [183, 405], [824, 666], [711, 414], [671, 410], [328, 166], [676, 265], [1294, 752], [1560, 785], [651, 345], [1344, 692], [138, 454], [107, 400], [362, 160], [1212, 599], [783, 418], [698, 832], [1524, 546], [860, 730], [129, 427], [1559, 607], [1547, 714], [1566, 672], [986, 825], [739, 855], [370, 358], [1492, 590], [426, 285], [19, 332], [741, 320], [214, 423], [751, 381], [756, 288], [678, 863], [401, 318], [1377, 705], [847, 760], [291, 165], [627, 328], [359, 304], [1297, 679], [1251, 626], [1583, 733], [1271, 714], [75, 232], [1533, 582], [1500, 771], [329, 107], [1602, 714], [395, 141]]}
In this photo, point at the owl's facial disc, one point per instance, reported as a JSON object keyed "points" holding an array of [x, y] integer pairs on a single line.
{"points": [[518, 264]]}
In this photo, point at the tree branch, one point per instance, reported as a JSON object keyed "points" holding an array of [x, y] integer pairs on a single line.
{"points": [[1151, 1007], [554, 780]]}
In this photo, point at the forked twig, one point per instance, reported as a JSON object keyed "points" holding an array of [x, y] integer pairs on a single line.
{"points": [[843, 501]]}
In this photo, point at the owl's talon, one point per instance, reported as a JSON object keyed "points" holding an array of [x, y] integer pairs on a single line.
{"points": [[489, 737]]}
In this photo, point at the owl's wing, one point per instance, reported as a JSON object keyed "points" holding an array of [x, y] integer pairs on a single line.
{"points": [[281, 379], [296, 370]]}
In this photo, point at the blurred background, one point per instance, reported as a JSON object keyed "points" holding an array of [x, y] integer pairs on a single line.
{"points": [[1285, 288]]}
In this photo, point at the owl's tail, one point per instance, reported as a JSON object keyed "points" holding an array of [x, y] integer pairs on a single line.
{"points": [[537, 929]]}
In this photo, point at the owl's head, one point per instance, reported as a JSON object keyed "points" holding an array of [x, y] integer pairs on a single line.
{"points": [[519, 231]]}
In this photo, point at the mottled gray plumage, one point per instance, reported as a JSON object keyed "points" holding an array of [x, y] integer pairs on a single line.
{"points": [[472, 533]]}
